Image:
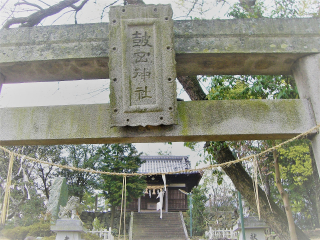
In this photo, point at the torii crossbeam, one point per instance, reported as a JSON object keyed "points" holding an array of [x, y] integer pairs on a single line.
{"points": [[202, 47]]}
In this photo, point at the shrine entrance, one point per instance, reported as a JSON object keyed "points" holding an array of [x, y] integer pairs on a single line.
{"points": [[162, 179], [142, 50]]}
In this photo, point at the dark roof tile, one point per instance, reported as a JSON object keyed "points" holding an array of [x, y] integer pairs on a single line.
{"points": [[165, 164]]}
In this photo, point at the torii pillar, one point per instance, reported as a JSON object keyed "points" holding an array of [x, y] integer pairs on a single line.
{"points": [[306, 72]]}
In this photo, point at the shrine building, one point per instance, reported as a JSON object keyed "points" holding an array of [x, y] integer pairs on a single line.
{"points": [[173, 199]]}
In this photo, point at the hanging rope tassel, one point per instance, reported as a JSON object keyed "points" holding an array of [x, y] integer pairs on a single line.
{"points": [[255, 183], [121, 206], [7, 191], [125, 206], [164, 182], [265, 190]]}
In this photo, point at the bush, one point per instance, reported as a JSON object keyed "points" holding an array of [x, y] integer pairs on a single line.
{"points": [[53, 237], [90, 236], [96, 225], [39, 229], [115, 232], [17, 233]]}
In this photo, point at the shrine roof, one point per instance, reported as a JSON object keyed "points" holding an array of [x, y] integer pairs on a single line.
{"points": [[157, 164]]}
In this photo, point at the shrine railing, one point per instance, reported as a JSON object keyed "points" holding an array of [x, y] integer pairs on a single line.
{"points": [[103, 234], [221, 234]]}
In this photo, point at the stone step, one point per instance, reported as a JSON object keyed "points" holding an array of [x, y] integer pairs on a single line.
{"points": [[150, 226]]}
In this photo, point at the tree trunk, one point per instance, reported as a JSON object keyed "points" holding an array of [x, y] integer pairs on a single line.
{"points": [[285, 198], [192, 87], [275, 218], [248, 5]]}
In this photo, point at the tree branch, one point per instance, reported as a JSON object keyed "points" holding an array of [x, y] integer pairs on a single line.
{"points": [[78, 8], [37, 17], [29, 4], [192, 86], [3, 5], [44, 3], [193, 6], [275, 218], [248, 5]]}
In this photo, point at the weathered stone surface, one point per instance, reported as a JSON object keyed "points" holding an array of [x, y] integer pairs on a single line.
{"points": [[70, 210], [242, 46], [306, 72], [68, 229], [250, 222], [58, 197], [197, 121], [68, 225], [254, 228], [142, 66]]}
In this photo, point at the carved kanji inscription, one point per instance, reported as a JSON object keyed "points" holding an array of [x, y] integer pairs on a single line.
{"points": [[142, 66]]}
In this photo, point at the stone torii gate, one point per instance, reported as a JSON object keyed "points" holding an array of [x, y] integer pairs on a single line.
{"points": [[202, 47]]}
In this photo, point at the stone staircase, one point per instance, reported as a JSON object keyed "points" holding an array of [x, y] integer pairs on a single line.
{"points": [[150, 226]]}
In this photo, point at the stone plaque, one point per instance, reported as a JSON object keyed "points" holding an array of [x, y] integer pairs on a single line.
{"points": [[142, 66]]}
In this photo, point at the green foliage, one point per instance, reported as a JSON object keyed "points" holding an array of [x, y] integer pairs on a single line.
{"points": [[32, 209], [286, 9], [239, 11], [96, 225], [114, 232], [120, 158], [309, 8], [198, 211], [296, 174], [296, 163], [164, 153], [190, 145], [53, 237], [81, 156], [226, 87], [277, 9], [89, 201], [17, 233], [294, 159], [28, 179], [90, 236], [39, 229], [29, 211], [46, 173]]}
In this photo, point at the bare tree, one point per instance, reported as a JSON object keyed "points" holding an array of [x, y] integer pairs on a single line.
{"points": [[41, 13]]}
